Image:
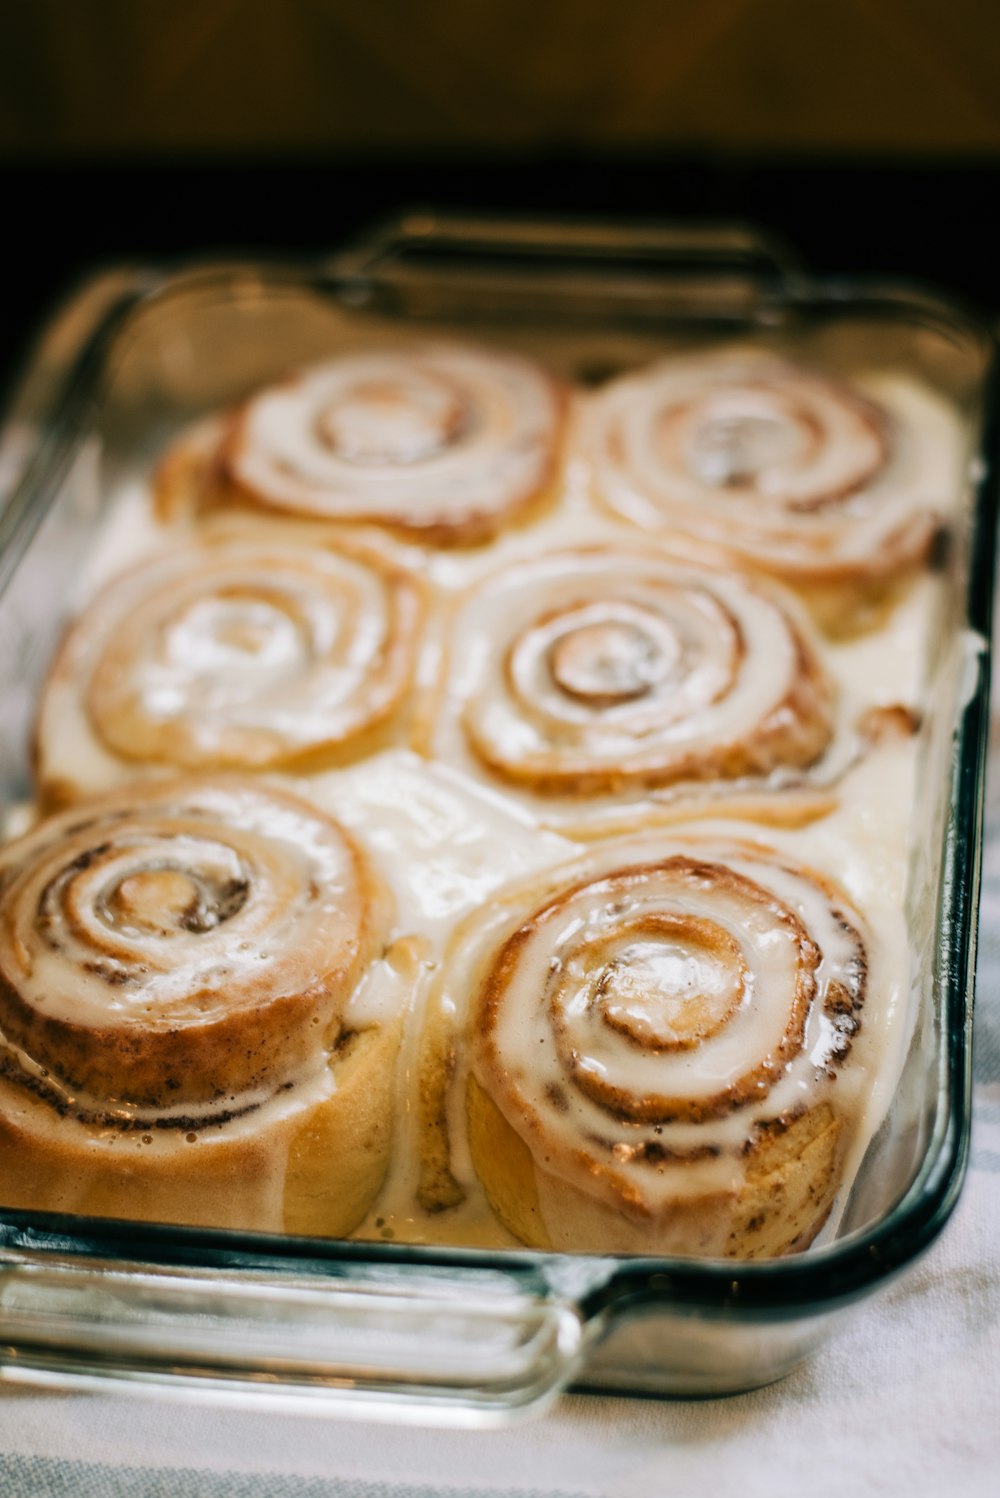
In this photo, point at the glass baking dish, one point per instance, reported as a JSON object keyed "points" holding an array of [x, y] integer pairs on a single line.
{"points": [[392, 1331]]}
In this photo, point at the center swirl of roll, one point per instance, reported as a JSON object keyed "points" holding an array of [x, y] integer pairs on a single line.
{"points": [[163, 900], [666, 982], [648, 964], [643, 664], [745, 439], [143, 884], [401, 421], [613, 653], [238, 633]]}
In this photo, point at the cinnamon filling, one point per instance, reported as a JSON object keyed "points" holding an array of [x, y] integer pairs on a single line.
{"points": [[162, 901]]}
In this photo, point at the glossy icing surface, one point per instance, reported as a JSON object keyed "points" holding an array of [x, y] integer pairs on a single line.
{"points": [[635, 790]]}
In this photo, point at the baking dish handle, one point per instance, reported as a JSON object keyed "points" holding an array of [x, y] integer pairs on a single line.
{"points": [[394, 1341], [418, 243]]}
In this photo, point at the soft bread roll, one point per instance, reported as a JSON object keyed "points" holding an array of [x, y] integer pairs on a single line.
{"points": [[791, 1178], [776, 467], [310, 1162], [254, 650], [608, 652], [197, 1023], [444, 443], [658, 1056], [599, 684]]}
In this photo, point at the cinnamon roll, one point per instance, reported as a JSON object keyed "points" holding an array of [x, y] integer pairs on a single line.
{"points": [[444, 443], [595, 679], [252, 654], [659, 1049], [781, 468], [196, 1021]]}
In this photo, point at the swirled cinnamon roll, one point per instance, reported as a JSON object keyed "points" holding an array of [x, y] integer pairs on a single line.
{"points": [[196, 1023], [444, 443], [659, 1049], [594, 679], [248, 654], [782, 468]]}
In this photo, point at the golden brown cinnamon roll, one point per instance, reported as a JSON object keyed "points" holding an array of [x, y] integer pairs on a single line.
{"points": [[444, 443], [659, 1049], [195, 1021], [252, 654], [782, 468], [602, 678]]}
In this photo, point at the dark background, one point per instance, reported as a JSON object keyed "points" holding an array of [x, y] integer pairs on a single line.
{"points": [[866, 131]]}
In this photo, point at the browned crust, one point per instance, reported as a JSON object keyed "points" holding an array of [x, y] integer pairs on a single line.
{"points": [[793, 734], [189, 479], [889, 721], [192, 1052], [790, 1181], [437, 1188], [792, 1178], [903, 550], [658, 1109], [506, 1169], [390, 685], [255, 1046], [195, 477], [866, 410], [856, 598], [314, 1168]]}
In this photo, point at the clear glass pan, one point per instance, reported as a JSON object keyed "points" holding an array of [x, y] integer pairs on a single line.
{"points": [[464, 1335]]}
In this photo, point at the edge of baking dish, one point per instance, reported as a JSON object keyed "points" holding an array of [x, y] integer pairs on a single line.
{"points": [[465, 1336]]}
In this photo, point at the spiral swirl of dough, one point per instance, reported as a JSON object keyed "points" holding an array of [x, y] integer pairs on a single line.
{"points": [[591, 672], [647, 1029], [239, 655], [442, 442], [180, 948], [778, 465]]}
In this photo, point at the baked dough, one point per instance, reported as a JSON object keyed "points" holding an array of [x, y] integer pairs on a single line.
{"points": [[445, 443], [774, 466], [259, 650], [181, 969], [599, 684], [657, 1056]]}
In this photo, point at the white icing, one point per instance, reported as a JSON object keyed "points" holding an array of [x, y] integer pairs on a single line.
{"points": [[231, 654], [453, 849], [427, 436], [298, 874], [535, 1056], [722, 656], [444, 843], [825, 499]]}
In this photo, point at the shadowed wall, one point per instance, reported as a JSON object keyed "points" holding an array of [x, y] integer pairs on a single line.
{"points": [[224, 77]]}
